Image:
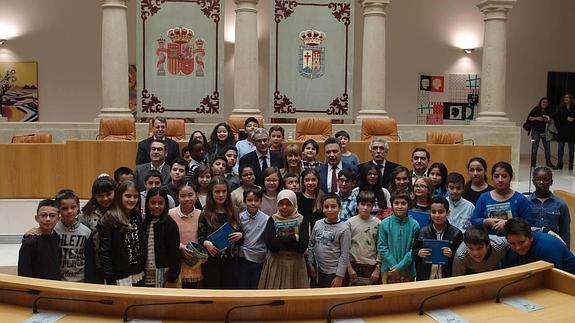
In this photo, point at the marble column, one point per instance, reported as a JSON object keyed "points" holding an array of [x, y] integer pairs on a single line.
{"points": [[373, 65], [246, 64], [492, 99], [115, 95]]}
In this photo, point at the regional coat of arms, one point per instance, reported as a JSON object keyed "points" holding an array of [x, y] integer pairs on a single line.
{"points": [[311, 54], [184, 55]]}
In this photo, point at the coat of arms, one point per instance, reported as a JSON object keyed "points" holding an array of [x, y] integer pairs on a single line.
{"points": [[183, 55], [311, 54]]}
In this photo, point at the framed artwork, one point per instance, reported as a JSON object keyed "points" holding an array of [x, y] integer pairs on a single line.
{"points": [[19, 91]]}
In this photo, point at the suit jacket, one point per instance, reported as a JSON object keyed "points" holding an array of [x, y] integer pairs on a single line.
{"points": [[143, 155], [144, 169], [276, 160], [324, 171], [385, 179]]}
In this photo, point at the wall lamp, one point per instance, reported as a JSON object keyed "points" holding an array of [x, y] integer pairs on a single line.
{"points": [[468, 50]]}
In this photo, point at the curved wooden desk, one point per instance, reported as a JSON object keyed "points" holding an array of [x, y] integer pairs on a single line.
{"points": [[550, 287]]}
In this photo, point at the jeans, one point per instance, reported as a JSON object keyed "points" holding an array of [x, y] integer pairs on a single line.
{"points": [[561, 152], [537, 136]]}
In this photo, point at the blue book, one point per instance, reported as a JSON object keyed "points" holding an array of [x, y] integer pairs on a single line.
{"points": [[421, 217], [220, 237], [436, 246]]}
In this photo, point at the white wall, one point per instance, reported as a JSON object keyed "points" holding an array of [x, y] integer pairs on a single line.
{"points": [[64, 37]]}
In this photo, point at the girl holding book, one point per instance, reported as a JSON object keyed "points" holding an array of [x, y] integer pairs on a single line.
{"points": [[219, 270], [286, 237]]}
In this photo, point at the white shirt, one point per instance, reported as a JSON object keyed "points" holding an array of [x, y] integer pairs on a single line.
{"points": [[330, 169]]}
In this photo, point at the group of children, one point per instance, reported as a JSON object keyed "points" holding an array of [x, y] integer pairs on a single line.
{"points": [[288, 233]]}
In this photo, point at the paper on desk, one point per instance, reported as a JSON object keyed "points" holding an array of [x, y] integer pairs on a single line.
{"points": [[445, 316], [522, 304], [45, 317]]}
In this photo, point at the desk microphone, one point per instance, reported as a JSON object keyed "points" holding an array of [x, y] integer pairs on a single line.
{"points": [[462, 141], [101, 301], [272, 303], [524, 277], [125, 315], [369, 298], [438, 294], [27, 291]]}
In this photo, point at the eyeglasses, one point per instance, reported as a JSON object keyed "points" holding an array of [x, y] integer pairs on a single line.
{"points": [[261, 141], [419, 186], [342, 180]]}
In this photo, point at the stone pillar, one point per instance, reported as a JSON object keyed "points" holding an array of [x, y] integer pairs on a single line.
{"points": [[493, 70], [373, 65], [246, 64], [115, 95]]}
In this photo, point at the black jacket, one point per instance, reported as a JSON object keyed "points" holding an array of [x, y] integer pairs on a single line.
{"points": [[385, 179], [251, 158], [143, 155], [114, 252], [39, 257], [166, 246], [452, 234]]}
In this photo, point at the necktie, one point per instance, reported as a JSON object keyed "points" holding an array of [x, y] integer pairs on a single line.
{"points": [[379, 168], [264, 162], [333, 179]]}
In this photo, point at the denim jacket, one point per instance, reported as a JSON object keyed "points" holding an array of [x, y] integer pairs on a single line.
{"points": [[552, 214]]}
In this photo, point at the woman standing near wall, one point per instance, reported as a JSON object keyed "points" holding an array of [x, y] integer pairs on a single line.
{"points": [[565, 119], [539, 117]]}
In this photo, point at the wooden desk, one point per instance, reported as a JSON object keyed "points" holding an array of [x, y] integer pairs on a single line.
{"points": [[550, 287], [40, 170]]}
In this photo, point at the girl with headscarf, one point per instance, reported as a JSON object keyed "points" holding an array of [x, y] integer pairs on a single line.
{"points": [[286, 236]]}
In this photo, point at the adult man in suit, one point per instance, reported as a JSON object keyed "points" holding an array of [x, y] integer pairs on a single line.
{"points": [[328, 172], [262, 157], [159, 125], [378, 148], [158, 162], [420, 160]]}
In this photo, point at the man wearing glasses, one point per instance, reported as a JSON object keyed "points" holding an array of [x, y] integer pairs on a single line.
{"points": [[378, 148], [262, 157]]}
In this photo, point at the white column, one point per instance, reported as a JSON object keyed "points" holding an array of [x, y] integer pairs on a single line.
{"points": [[373, 65], [492, 99], [246, 65], [114, 60]]}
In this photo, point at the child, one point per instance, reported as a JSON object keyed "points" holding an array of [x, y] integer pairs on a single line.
{"points": [[272, 185], [438, 229], [219, 270], [549, 211], [121, 233], [309, 154], [494, 208], [329, 246], [277, 135], [186, 154], [395, 242], [248, 179], [400, 181], [364, 261], [253, 248], [39, 256], [309, 200], [163, 241], [186, 218], [231, 153], [422, 190], [286, 236], [102, 199], [291, 182], [460, 209], [202, 179], [247, 145], [477, 185], [438, 174], [346, 182], [76, 244], [292, 160], [220, 138], [198, 153], [372, 182], [152, 179], [122, 174], [347, 156], [479, 253], [219, 165], [178, 171]]}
